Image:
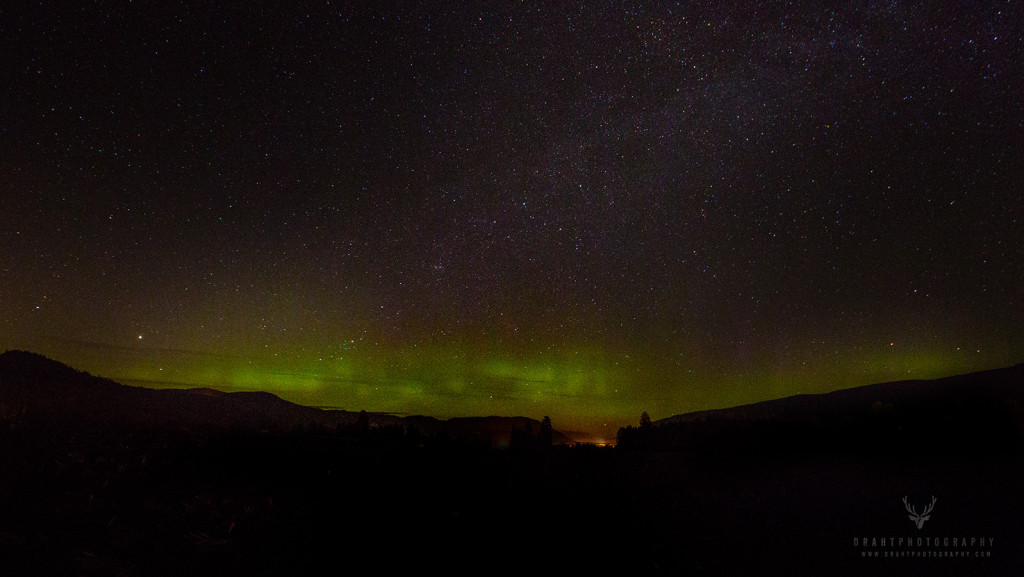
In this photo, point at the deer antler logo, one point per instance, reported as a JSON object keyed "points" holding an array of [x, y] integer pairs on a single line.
{"points": [[919, 518]]}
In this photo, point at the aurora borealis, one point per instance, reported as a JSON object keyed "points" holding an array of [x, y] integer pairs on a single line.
{"points": [[582, 210]]}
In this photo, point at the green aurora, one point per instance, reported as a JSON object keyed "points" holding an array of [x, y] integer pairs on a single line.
{"points": [[581, 389]]}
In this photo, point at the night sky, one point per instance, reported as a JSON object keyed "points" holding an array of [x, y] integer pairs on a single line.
{"points": [[582, 210]]}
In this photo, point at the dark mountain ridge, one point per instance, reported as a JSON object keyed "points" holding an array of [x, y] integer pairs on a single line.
{"points": [[979, 411], [36, 390], [1005, 383]]}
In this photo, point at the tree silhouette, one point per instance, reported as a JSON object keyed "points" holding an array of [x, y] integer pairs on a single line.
{"points": [[645, 420], [546, 432]]}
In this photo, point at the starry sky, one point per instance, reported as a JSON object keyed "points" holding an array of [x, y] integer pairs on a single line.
{"points": [[583, 210]]}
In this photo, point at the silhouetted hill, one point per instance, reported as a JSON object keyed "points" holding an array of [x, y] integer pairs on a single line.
{"points": [[41, 391], [30, 375], [1006, 383], [976, 411], [38, 391]]}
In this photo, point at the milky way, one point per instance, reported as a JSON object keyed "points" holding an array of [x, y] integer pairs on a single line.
{"points": [[577, 210]]}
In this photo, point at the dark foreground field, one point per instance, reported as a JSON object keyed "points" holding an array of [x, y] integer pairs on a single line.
{"points": [[159, 503], [97, 478]]}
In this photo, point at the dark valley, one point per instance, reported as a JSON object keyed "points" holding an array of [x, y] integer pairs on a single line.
{"points": [[103, 479]]}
